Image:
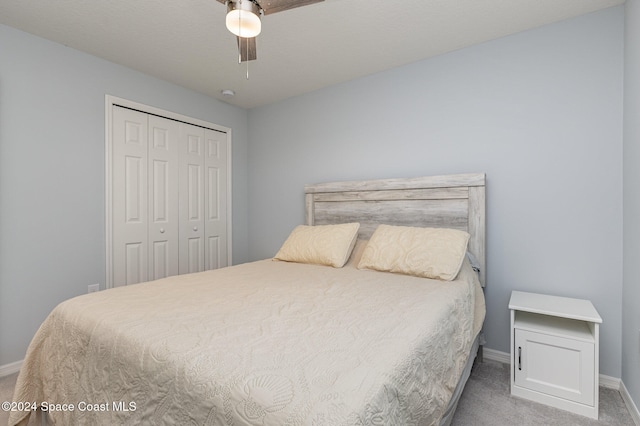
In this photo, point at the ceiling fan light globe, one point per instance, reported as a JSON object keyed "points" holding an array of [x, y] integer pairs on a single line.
{"points": [[243, 19]]}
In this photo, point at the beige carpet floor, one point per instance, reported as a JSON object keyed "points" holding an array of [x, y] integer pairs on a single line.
{"points": [[486, 401]]}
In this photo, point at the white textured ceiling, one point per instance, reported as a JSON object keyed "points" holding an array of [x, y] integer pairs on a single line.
{"points": [[300, 50]]}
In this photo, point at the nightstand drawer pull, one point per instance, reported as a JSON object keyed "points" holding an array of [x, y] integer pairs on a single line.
{"points": [[520, 358]]}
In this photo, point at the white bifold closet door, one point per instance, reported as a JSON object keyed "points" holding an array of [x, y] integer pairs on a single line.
{"points": [[202, 192], [168, 197]]}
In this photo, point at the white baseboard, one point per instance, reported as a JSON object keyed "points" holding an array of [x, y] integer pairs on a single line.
{"points": [[610, 382], [494, 355], [631, 406], [9, 369]]}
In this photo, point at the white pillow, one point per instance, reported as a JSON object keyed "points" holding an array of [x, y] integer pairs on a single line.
{"points": [[322, 244], [423, 252]]}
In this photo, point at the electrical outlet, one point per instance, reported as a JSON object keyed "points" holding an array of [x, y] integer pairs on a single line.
{"points": [[92, 288]]}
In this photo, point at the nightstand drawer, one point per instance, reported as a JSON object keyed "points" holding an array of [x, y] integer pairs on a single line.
{"points": [[555, 366]]}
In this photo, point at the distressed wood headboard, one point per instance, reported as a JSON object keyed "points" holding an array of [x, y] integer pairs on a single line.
{"points": [[448, 201]]}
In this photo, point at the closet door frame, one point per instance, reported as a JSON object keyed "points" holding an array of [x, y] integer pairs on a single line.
{"points": [[110, 102]]}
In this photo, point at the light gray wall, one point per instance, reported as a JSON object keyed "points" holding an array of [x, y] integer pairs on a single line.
{"points": [[52, 242], [631, 291], [540, 112]]}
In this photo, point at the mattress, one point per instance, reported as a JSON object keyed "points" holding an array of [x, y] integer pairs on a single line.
{"points": [[262, 343]]}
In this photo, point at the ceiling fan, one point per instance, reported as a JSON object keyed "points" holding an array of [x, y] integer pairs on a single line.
{"points": [[243, 20]]}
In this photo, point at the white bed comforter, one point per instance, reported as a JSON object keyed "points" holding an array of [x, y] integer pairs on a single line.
{"points": [[264, 343]]}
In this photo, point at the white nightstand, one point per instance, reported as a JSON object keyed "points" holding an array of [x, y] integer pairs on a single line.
{"points": [[554, 351]]}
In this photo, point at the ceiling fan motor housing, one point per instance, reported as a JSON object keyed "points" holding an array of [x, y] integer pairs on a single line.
{"points": [[243, 18]]}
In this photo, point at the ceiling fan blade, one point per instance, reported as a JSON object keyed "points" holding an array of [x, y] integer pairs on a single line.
{"points": [[247, 49], [274, 6]]}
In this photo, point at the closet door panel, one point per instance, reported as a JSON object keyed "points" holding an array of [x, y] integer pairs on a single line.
{"points": [[130, 193], [214, 253], [135, 263], [192, 201], [215, 161], [194, 255], [164, 156]]}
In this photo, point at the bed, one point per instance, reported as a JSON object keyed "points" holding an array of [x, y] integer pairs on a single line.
{"points": [[278, 342]]}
